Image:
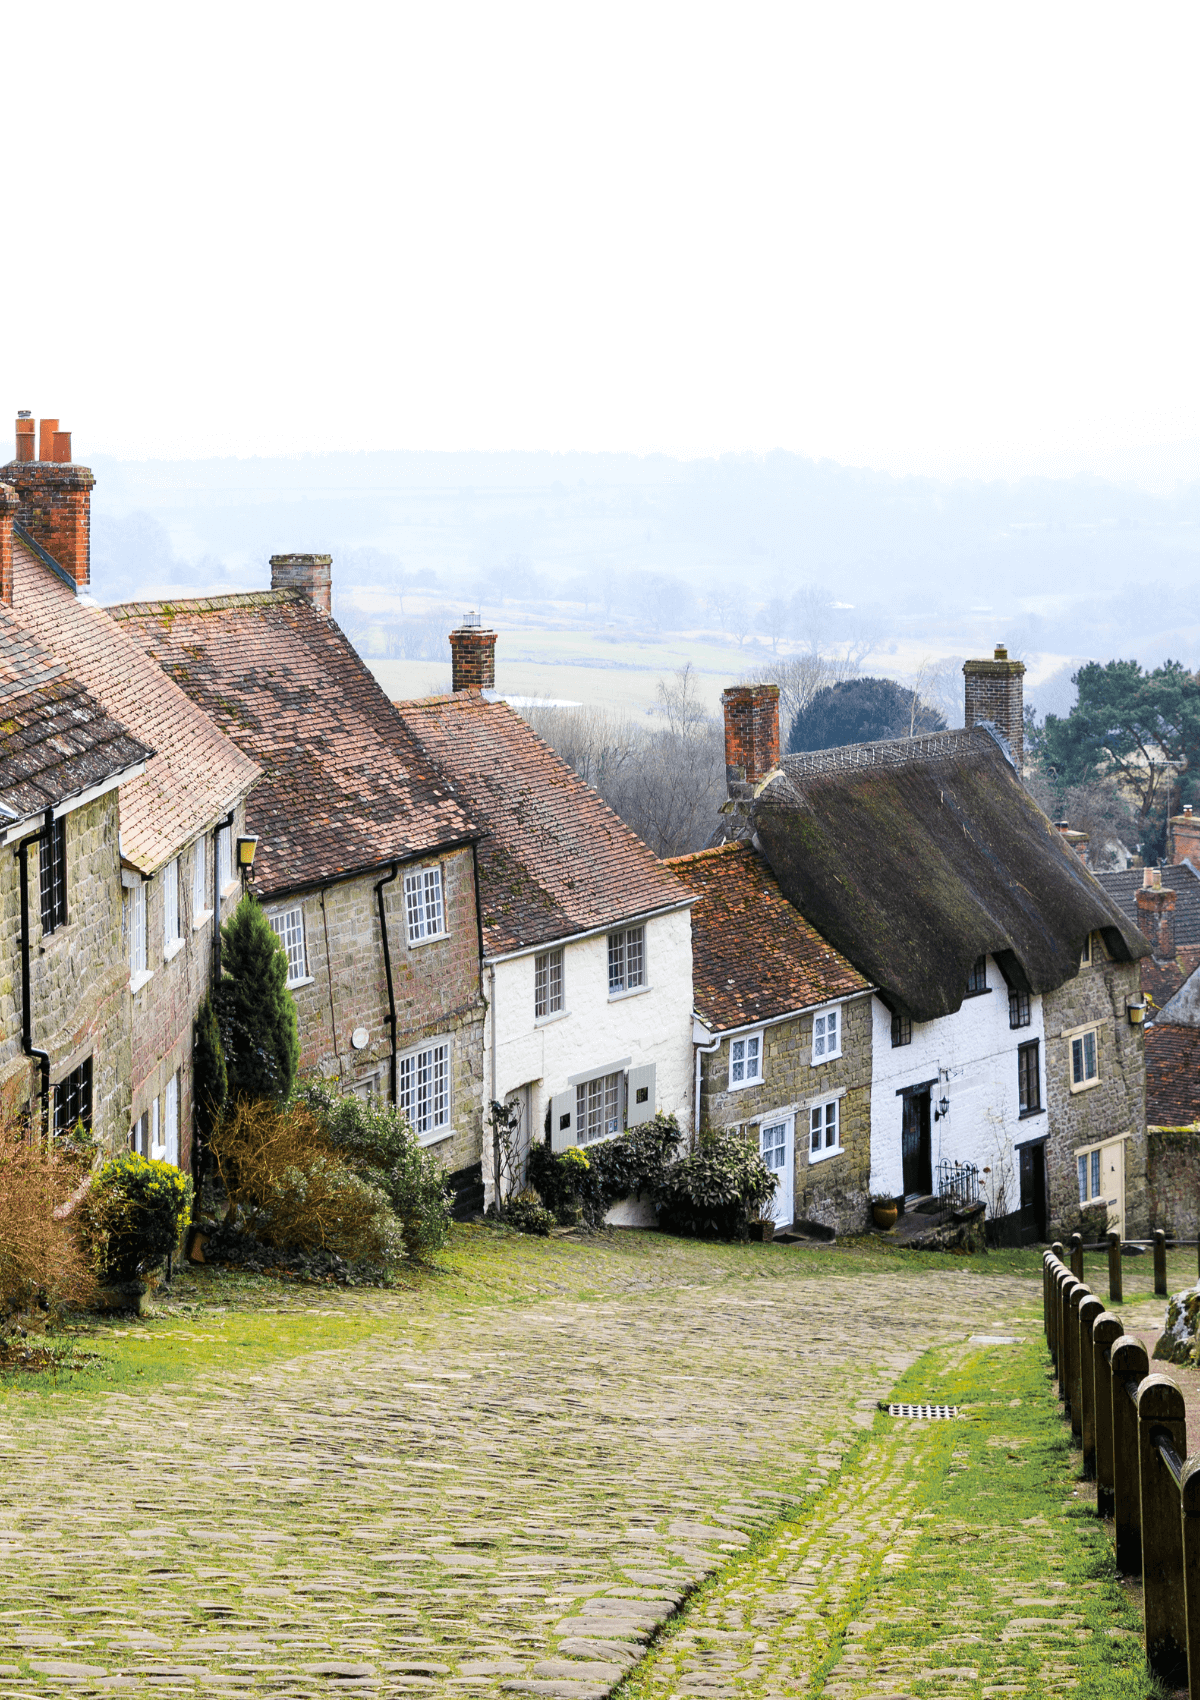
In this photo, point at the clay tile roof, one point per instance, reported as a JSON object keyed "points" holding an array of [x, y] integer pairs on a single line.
{"points": [[194, 773], [754, 957], [556, 860], [343, 788], [915, 856], [1124, 884], [56, 740], [1172, 1075]]}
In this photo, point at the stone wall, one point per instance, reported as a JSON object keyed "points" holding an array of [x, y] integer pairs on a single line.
{"points": [[79, 982], [436, 984], [835, 1190], [1114, 1106], [1173, 1180]]}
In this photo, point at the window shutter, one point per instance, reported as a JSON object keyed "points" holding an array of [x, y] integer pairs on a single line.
{"points": [[640, 1109], [562, 1108]]}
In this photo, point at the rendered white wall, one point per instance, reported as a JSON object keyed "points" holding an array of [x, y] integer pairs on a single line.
{"points": [[973, 1056]]}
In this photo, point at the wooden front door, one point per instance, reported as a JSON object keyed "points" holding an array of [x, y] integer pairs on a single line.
{"points": [[1033, 1194], [915, 1144]]}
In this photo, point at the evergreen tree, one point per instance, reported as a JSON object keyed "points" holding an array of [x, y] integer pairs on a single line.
{"points": [[861, 711], [256, 1012], [210, 1083]]}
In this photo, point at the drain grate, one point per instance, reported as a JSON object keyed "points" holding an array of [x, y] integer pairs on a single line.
{"points": [[924, 1413]]}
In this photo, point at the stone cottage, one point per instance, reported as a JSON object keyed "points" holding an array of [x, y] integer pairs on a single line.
{"points": [[180, 816], [586, 938], [1006, 1031], [365, 860], [782, 1038]]}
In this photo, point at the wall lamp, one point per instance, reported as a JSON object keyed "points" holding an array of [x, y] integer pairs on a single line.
{"points": [[245, 854], [1135, 1009], [943, 1109]]}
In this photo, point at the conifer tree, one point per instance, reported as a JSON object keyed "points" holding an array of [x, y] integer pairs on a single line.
{"points": [[256, 1012], [209, 1081]]}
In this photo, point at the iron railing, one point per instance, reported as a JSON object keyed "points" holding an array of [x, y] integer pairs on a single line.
{"points": [[958, 1186]]}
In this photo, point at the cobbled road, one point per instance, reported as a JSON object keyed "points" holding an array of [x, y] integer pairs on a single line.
{"points": [[505, 1497]]}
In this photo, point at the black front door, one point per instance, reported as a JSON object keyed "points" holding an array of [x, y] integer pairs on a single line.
{"points": [[1033, 1194], [915, 1144]]}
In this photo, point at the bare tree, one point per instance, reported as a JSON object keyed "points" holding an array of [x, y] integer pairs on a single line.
{"points": [[775, 620]]}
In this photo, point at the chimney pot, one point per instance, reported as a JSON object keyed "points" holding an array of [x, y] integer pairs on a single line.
{"points": [[1001, 652], [472, 656], [751, 734], [61, 448], [995, 695], [46, 439], [25, 436], [54, 497], [310, 574]]}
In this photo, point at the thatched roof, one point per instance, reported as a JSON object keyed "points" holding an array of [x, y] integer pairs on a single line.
{"points": [[915, 857]]}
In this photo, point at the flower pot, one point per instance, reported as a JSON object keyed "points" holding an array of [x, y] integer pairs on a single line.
{"points": [[885, 1215], [763, 1231]]}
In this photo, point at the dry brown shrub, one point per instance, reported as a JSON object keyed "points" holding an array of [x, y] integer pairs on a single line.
{"points": [[295, 1191], [42, 1259]]}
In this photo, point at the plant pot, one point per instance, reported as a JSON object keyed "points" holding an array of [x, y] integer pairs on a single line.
{"points": [[885, 1215], [762, 1231]]}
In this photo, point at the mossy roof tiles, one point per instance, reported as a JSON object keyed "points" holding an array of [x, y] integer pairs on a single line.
{"points": [[344, 788], [754, 956], [916, 856], [556, 860]]}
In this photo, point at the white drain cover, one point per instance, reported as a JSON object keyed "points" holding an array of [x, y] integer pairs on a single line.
{"points": [[925, 1413]]}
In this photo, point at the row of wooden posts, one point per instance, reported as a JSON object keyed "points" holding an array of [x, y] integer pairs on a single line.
{"points": [[1161, 1244], [1131, 1429]]}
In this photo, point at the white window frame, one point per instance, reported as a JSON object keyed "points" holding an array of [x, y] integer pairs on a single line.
{"points": [[549, 1003], [200, 909], [225, 874], [1079, 1036], [623, 983], [135, 914], [822, 1050], [158, 1149], [746, 1040], [611, 1085], [171, 1120], [1091, 1155], [288, 927], [1085, 955], [172, 939], [434, 1122], [819, 1117], [425, 905]]}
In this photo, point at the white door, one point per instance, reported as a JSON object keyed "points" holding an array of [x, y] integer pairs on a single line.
{"points": [[775, 1141], [1112, 1180]]}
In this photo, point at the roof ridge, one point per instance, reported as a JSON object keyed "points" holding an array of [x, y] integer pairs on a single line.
{"points": [[204, 604], [699, 855], [888, 752]]}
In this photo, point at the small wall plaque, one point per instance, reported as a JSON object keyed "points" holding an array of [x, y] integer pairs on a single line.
{"points": [[360, 1038]]}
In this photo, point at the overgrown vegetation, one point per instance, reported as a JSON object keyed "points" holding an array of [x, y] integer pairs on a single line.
{"points": [[717, 1190], [44, 1259], [583, 1185]]}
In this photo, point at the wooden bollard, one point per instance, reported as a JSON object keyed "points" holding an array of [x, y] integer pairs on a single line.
{"points": [[1047, 1308], [1066, 1281], [1160, 1262], [1078, 1293], [1189, 1496], [1077, 1256], [1114, 1269], [1129, 1364], [1106, 1329], [1090, 1309], [1160, 1406]]}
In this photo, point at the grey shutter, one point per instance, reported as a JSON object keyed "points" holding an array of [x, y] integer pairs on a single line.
{"points": [[640, 1109], [562, 1111]]}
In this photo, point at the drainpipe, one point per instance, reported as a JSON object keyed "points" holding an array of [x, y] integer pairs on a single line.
{"points": [[495, 1131], [701, 1051], [27, 1044], [229, 818], [387, 968]]}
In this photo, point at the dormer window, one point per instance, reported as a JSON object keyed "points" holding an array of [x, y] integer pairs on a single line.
{"points": [[1085, 955], [977, 978]]}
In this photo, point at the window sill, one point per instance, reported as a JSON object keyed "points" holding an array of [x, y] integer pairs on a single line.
{"points": [[430, 938], [306, 980], [1027, 1115], [1084, 1085], [983, 992], [555, 1015], [832, 1056], [201, 920], [633, 992], [171, 951], [824, 1156], [230, 886], [741, 1085], [437, 1137], [138, 980]]}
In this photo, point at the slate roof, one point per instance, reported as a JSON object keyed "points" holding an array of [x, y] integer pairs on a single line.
{"points": [[915, 856], [754, 956], [1124, 886], [194, 773], [344, 789], [557, 860], [1172, 1075], [56, 740]]}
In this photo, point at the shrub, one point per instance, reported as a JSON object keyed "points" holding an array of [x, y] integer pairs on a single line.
{"points": [[42, 1259], [136, 1210], [588, 1182], [255, 1011], [210, 1082], [527, 1214], [376, 1140], [714, 1192]]}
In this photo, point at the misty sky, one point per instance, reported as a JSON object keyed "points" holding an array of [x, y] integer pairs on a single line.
{"points": [[936, 238]]}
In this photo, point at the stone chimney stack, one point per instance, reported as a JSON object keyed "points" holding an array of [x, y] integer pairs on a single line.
{"points": [[54, 497], [312, 574], [9, 502], [472, 656], [751, 734], [1156, 915], [995, 694], [1185, 837]]}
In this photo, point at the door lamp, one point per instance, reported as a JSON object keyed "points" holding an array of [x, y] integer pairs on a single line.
{"points": [[943, 1109], [245, 855], [1135, 1009]]}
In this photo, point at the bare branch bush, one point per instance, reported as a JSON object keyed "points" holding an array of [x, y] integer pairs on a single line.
{"points": [[44, 1260], [1099, 807]]}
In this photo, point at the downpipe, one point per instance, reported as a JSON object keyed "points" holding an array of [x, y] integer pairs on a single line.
{"points": [[27, 1044], [387, 968]]}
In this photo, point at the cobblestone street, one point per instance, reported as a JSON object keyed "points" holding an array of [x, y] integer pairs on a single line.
{"points": [[507, 1495]]}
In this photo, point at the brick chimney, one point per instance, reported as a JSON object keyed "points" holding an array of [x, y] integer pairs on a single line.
{"points": [[1185, 837], [54, 497], [751, 734], [9, 502], [1078, 841], [312, 574], [995, 693], [1156, 915], [472, 656]]}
